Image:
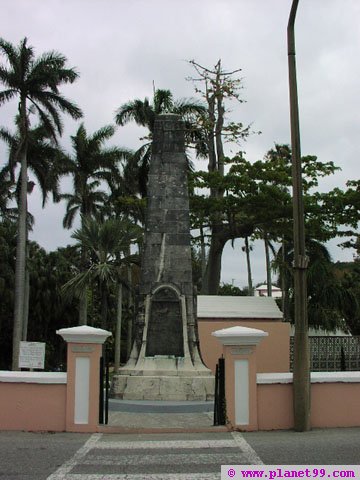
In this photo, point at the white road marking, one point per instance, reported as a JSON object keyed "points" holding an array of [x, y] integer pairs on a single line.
{"points": [[248, 451], [145, 476], [171, 459], [62, 472], [247, 455], [166, 444]]}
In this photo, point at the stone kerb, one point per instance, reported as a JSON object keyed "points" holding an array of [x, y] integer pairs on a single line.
{"points": [[83, 372], [239, 350]]}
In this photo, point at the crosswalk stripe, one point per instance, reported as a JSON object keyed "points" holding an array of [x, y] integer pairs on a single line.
{"points": [[150, 476], [140, 458], [177, 459], [253, 457], [165, 444], [61, 472]]}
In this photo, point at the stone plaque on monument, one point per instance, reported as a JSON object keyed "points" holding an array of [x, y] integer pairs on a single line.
{"points": [[165, 335]]}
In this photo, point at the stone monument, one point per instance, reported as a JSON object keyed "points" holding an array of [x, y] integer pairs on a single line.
{"points": [[165, 362]]}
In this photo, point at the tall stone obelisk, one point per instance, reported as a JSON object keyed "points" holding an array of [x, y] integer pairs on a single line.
{"points": [[165, 363]]}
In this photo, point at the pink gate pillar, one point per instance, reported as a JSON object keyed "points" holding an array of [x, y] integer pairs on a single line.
{"points": [[83, 372], [239, 350]]}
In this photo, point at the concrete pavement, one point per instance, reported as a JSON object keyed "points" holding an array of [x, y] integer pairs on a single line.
{"points": [[149, 416]]}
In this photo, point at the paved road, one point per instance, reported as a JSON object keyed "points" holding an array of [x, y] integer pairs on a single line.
{"points": [[182, 456], [34, 456], [333, 446]]}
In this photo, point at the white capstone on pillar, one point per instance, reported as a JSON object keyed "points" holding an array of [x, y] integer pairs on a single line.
{"points": [[83, 372], [239, 350]]}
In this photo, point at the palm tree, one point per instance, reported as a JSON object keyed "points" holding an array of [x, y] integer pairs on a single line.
{"points": [[90, 165], [34, 82], [108, 244], [143, 113], [328, 300], [44, 159]]}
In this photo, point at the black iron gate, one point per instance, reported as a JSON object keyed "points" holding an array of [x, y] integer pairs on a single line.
{"points": [[220, 402], [104, 391]]}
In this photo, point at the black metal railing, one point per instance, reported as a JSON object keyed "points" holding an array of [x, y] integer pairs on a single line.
{"points": [[220, 401], [104, 391], [331, 353]]}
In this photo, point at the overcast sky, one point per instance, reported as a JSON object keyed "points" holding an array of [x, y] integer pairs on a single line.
{"points": [[120, 47]]}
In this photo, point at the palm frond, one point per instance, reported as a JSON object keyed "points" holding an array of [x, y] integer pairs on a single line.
{"points": [[136, 110], [68, 219], [101, 135], [189, 107], [57, 100], [7, 95], [12, 53]]}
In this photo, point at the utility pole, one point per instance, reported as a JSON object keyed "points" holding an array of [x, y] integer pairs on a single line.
{"points": [[301, 382]]}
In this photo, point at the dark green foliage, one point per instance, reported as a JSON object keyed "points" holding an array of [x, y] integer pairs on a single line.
{"points": [[257, 197], [351, 282], [107, 243], [328, 300], [47, 310], [232, 290], [7, 280]]}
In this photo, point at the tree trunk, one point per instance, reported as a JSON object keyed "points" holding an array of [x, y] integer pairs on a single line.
{"points": [[26, 306], [104, 305], [118, 328], [129, 338], [83, 300], [20, 265], [213, 267], [219, 125], [83, 303], [202, 254], [268, 267], [248, 266]]}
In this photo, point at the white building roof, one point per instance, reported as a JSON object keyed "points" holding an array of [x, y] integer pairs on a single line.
{"points": [[322, 333], [264, 287], [218, 306]]}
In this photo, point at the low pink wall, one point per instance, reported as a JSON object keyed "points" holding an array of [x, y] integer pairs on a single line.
{"points": [[275, 407], [335, 405], [272, 353], [332, 405], [32, 406]]}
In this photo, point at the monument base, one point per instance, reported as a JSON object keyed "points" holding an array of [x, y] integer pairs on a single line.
{"points": [[164, 378], [171, 388]]}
